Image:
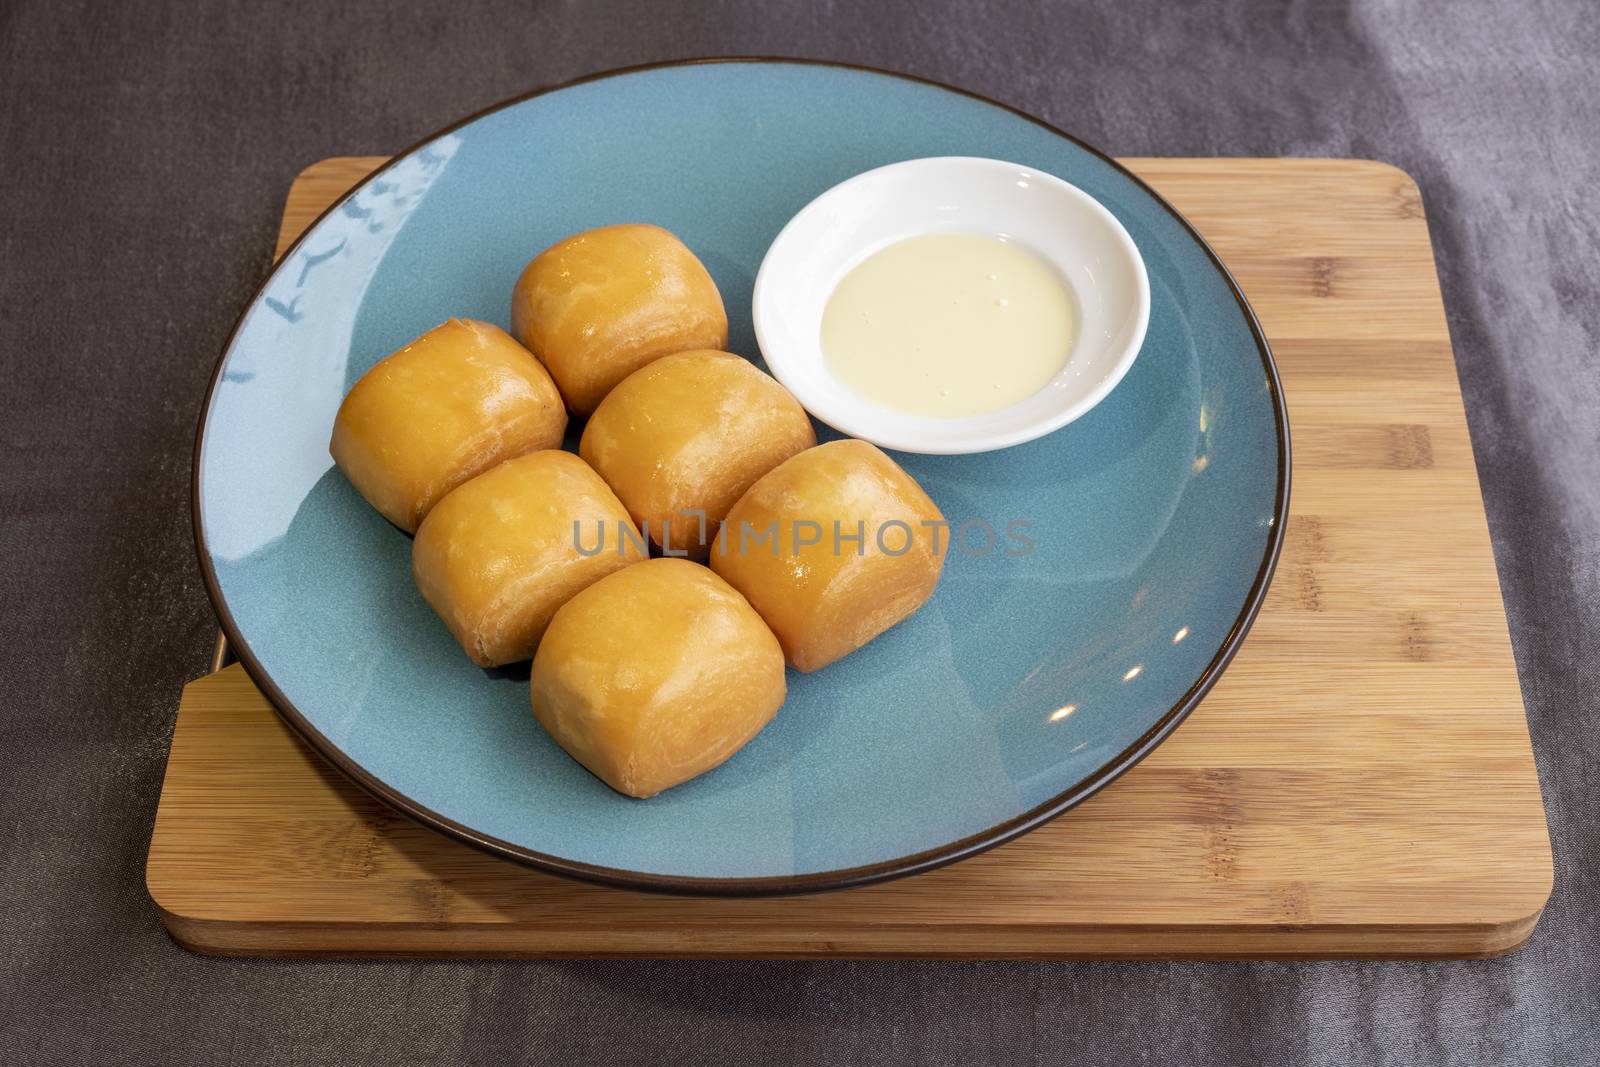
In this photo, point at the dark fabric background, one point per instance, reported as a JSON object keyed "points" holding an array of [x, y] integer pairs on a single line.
{"points": [[144, 156]]}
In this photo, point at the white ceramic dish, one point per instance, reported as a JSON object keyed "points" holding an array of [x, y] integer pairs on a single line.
{"points": [[953, 194]]}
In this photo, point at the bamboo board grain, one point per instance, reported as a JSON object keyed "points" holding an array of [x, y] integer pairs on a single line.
{"points": [[1359, 783]]}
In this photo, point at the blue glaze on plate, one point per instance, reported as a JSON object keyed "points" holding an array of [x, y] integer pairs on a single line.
{"points": [[1154, 519]]}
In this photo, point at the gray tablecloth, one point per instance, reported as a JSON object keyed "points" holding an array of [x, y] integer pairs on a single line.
{"points": [[144, 155]]}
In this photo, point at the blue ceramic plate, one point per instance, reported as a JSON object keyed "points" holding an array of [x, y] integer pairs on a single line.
{"points": [[1034, 676]]}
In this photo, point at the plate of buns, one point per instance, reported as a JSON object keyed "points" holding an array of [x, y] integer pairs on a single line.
{"points": [[500, 506]]}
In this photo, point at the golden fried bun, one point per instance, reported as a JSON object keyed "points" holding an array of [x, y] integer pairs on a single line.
{"points": [[601, 304], [456, 401], [832, 547], [497, 556], [681, 439], [656, 674]]}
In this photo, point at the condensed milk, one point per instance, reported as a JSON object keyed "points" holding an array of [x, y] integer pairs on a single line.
{"points": [[949, 325]]}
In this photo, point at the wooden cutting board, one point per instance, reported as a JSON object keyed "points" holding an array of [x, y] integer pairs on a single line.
{"points": [[1359, 783]]}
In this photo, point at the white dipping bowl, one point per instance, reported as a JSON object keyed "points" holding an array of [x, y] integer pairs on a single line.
{"points": [[1061, 223]]}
